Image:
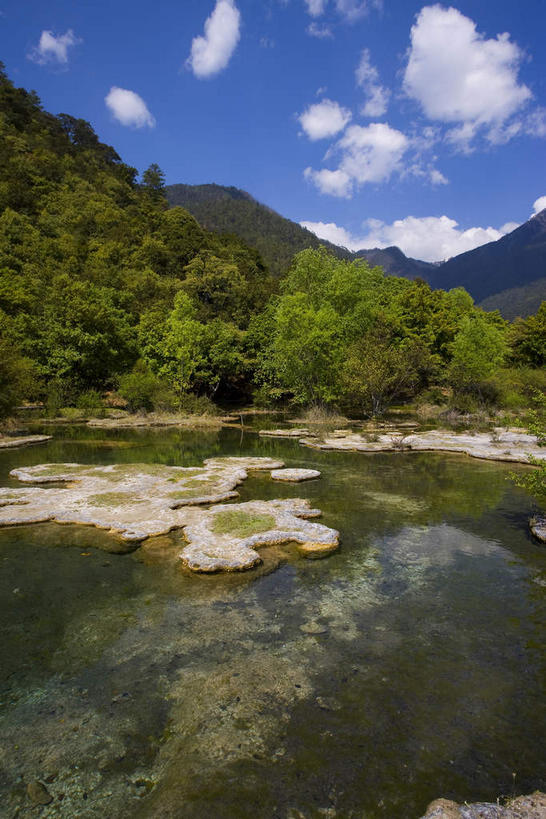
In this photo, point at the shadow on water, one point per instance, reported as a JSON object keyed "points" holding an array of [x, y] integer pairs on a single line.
{"points": [[406, 666]]}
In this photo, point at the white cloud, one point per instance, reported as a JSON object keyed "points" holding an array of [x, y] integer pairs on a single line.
{"points": [[211, 53], [539, 205], [430, 238], [367, 78], [353, 10], [330, 232], [367, 154], [324, 119], [437, 177], [371, 153], [459, 76], [128, 108], [335, 183], [535, 123], [316, 7], [53, 49], [321, 32]]}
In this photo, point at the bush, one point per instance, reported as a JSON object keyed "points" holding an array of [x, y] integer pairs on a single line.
{"points": [[59, 393], [514, 387], [141, 388], [90, 401], [17, 378], [196, 404]]}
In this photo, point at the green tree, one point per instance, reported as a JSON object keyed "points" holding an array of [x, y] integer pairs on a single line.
{"points": [[478, 349]]}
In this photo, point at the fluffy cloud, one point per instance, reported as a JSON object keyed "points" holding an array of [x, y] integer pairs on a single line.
{"points": [[371, 153], [53, 49], [431, 238], [367, 78], [128, 108], [459, 76], [367, 154], [335, 183], [211, 53], [324, 119], [331, 233], [539, 205]]}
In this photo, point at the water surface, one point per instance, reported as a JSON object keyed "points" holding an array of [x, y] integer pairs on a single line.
{"points": [[135, 689]]}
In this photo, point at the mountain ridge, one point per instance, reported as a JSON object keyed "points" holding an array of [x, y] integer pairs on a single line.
{"points": [[511, 271]]}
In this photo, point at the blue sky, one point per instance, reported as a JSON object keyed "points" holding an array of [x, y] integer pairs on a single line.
{"points": [[372, 122]]}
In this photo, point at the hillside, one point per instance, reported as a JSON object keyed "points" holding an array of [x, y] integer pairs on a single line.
{"points": [[515, 260], [517, 301], [508, 273], [396, 263], [230, 210]]}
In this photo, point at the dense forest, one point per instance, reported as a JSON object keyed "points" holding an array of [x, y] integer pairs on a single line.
{"points": [[229, 209], [103, 287]]}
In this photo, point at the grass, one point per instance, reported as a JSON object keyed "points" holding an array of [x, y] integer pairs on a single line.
{"points": [[241, 524]]}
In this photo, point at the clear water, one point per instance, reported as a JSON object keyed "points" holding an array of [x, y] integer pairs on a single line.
{"points": [[134, 689]]}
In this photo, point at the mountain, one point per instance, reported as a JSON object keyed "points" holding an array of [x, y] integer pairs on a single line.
{"points": [[396, 263], [517, 301], [231, 210], [509, 274], [513, 261]]}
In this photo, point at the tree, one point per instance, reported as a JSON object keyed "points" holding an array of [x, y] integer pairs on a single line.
{"points": [[535, 482], [527, 339], [478, 349], [153, 182], [378, 369]]}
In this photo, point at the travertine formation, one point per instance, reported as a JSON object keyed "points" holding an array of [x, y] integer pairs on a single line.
{"points": [[137, 501], [537, 526], [499, 445], [284, 433], [294, 475], [7, 442], [523, 807], [211, 551]]}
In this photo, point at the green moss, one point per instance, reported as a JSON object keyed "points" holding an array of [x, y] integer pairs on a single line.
{"points": [[111, 499], [241, 524]]}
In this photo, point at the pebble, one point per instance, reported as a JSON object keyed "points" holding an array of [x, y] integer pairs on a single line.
{"points": [[38, 792]]}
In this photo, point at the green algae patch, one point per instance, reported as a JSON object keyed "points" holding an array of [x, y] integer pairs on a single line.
{"points": [[112, 499], [241, 524]]}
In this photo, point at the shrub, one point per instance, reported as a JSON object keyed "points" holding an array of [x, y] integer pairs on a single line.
{"points": [[141, 388], [90, 401]]}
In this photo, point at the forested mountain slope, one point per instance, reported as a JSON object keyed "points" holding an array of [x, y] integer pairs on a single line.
{"points": [[91, 261], [103, 286], [517, 260], [230, 210]]}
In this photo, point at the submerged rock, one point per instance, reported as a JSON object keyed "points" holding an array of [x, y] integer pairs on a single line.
{"points": [[500, 445], [294, 475], [523, 807], [38, 793]]}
